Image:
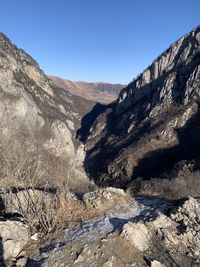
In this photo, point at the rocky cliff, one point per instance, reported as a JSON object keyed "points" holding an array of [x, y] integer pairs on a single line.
{"points": [[39, 114], [152, 129], [99, 91]]}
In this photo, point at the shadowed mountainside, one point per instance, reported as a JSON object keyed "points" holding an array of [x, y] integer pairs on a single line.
{"points": [[150, 127]]}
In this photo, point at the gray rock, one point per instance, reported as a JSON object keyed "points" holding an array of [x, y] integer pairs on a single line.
{"points": [[14, 236], [189, 215], [25, 200], [21, 260], [102, 196], [137, 234]]}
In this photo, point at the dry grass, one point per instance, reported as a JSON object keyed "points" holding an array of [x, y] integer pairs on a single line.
{"points": [[23, 190]]}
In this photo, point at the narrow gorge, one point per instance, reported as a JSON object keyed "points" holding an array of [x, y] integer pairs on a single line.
{"points": [[91, 184]]}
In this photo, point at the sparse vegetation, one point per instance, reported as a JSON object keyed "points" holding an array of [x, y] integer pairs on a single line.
{"points": [[24, 190], [182, 181]]}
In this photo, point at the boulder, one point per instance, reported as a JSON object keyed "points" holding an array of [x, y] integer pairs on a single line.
{"points": [[165, 228], [181, 231], [137, 234], [24, 200], [103, 196], [14, 236], [162, 221], [116, 191]]}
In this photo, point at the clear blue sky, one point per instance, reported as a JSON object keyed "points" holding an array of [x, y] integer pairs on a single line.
{"points": [[96, 40]]}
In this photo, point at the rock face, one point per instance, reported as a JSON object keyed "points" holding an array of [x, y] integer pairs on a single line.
{"points": [[100, 92], [154, 123], [34, 110]]}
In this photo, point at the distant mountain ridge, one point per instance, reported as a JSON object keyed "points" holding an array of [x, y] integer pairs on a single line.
{"points": [[97, 91]]}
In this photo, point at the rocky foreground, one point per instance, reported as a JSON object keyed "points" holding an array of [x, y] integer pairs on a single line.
{"points": [[123, 231]]}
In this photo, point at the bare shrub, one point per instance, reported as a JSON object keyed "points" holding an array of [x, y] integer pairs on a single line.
{"points": [[46, 211], [185, 182], [18, 167], [25, 189]]}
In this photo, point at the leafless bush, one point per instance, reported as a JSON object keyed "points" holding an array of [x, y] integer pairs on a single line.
{"points": [[45, 211], [18, 167], [25, 189]]}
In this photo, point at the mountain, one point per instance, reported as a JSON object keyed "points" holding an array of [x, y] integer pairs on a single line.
{"points": [[148, 139], [99, 91], [39, 115]]}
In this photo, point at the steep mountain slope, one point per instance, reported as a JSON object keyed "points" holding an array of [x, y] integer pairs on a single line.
{"points": [[99, 92], [39, 114], [152, 130]]}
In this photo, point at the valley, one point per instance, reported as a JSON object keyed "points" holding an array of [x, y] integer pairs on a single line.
{"points": [[91, 179]]}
